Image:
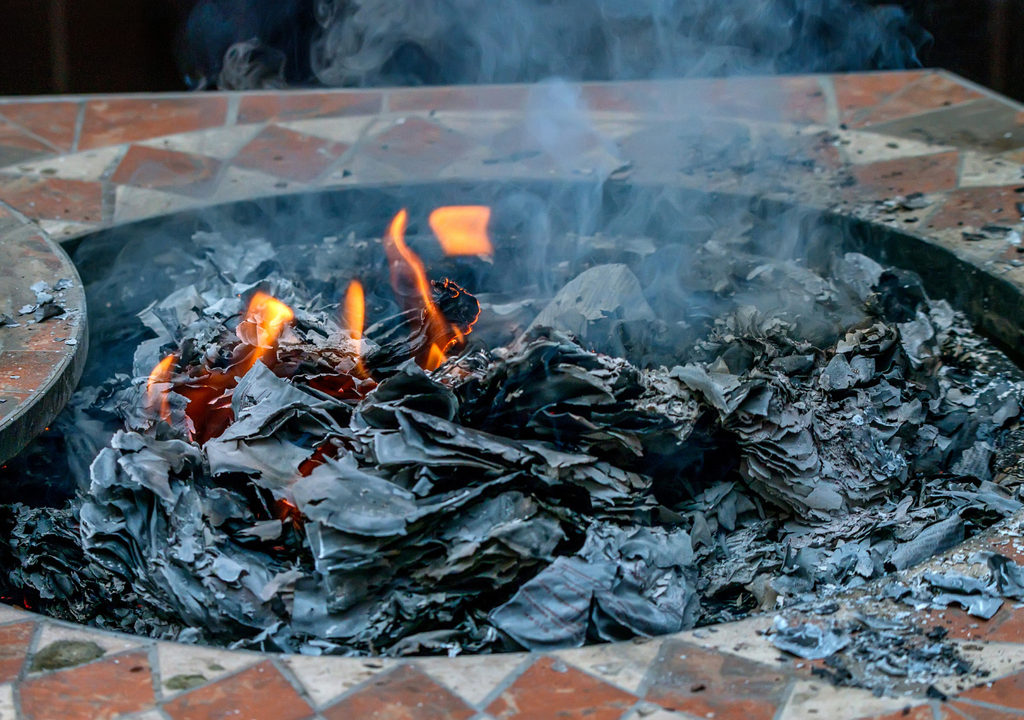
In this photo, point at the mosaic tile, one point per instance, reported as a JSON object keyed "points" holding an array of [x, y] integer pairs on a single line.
{"points": [[122, 120], [259, 693], [98, 691], [989, 660], [347, 130], [157, 169], [855, 92], [459, 98], [472, 678], [964, 711], [89, 165], [550, 688], [326, 678], [987, 125], [744, 638], [14, 137], [272, 107], [54, 122], [60, 231], [12, 402], [924, 174], [621, 664], [14, 644], [817, 699], [238, 184], [183, 667], [8, 710], [10, 614], [791, 99], [1007, 692], [404, 693], [54, 198], [654, 712], [697, 681], [863, 148], [975, 207], [221, 143], [132, 203], [930, 92], [111, 643], [418, 147], [285, 153], [919, 712], [981, 170]]}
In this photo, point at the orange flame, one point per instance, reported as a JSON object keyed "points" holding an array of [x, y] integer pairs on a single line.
{"points": [[269, 315], [435, 358], [462, 229], [156, 397], [355, 309]]}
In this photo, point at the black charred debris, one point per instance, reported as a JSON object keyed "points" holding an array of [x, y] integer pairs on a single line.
{"points": [[608, 472]]}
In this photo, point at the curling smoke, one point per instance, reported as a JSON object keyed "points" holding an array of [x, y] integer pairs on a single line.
{"points": [[398, 42]]}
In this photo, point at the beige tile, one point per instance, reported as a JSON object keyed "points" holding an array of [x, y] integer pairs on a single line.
{"points": [[622, 664], [179, 661], [221, 143], [481, 124], [861, 148], [741, 638], [325, 678], [341, 129], [997, 659], [980, 170], [239, 184], [60, 230], [134, 203], [646, 711], [13, 614], [473, 678], [90, 165], [7, 709], [111, 643], [813, 700]]}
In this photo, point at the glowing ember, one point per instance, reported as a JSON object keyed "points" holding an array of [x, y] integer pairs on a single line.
{"points": [[157, 387], [355, 310], [462, 229], [264, 321]]}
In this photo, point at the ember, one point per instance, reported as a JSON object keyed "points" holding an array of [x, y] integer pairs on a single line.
{"points": [[291, 474]]}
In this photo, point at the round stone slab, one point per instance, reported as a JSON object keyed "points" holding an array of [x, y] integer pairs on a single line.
{"points": [[40, 361]]}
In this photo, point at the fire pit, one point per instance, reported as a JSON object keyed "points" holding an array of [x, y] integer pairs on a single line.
{"points": [[739, 160]]}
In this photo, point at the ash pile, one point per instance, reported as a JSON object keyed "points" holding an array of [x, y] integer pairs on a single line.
{"points": [[477, 472]]}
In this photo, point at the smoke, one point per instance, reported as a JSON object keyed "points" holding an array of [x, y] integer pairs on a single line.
{"points": [[366, 43]]}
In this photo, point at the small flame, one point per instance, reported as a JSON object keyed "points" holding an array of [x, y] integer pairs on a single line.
{"points": [[270, 316], [462, 229], [355, 310], [156, 396], [435, 358], [406, 267]]}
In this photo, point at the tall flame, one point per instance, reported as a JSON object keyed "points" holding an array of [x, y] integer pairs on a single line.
{"points": [[269, 315], [462, 229], [406, 267], [156, 394], [355, 310]]}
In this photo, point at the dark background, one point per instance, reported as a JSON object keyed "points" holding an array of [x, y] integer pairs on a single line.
{"points": [[88, 46]]}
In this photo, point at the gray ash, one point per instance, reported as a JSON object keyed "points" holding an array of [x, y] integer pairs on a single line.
{"points": [[617, 457]]}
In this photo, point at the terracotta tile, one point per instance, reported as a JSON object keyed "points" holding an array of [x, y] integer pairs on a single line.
{"points": [[13, 137], [53, 121], [1008, 692], [795, 99], [405, 693], [697, 681], [122, 120], [259, 693], [285, 106], [99, 691], [633, 97], [963, 711], [24, 371], [931, 92], [154, 168], [14, 642], [54, 198], [288, 154], [550, 689], [459, 98], [418, 147], [859, 91], [976, 207], [924, 174], [12, 402], [921, 712]]}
